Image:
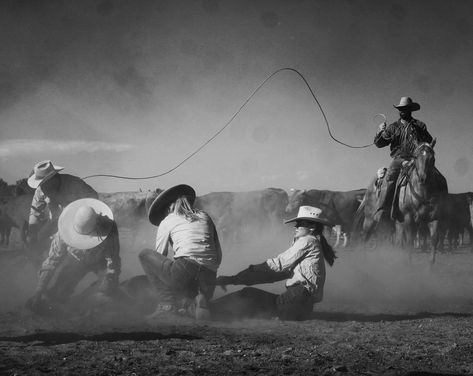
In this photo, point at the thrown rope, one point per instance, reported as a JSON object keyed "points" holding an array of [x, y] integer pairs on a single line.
{"points": [[228, 123]]}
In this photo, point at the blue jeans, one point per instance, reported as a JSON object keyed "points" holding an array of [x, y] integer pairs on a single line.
{"points": [[176, 279]]}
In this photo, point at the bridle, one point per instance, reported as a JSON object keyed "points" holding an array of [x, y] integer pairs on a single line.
{"points": [[413, 166]]}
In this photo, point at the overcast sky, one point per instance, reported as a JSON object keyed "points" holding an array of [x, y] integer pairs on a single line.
{"points": [[131, 87]]}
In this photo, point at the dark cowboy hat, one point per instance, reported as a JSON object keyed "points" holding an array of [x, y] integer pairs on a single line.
{"points": [[406, 103], [156, 212]]}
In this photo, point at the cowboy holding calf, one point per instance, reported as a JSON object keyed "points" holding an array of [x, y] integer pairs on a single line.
{"points": [[87, 239]]}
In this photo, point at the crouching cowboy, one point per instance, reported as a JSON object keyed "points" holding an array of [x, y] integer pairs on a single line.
{"points": [[87, 241], [191, 234], [302, 265]]}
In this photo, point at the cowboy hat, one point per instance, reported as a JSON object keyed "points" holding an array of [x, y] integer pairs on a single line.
{"points": [[80, 226], [42, 171], [312, 214], [406, 103], [156, 212]]}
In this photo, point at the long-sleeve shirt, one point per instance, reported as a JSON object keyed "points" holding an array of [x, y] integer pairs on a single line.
{"points": [[105, 256], [197, 240], [403, 137], [306, 261], [70, 188]]}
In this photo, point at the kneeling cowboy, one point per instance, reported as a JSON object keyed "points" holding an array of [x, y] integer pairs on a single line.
{"points": [[192, 235], [87, 242]]}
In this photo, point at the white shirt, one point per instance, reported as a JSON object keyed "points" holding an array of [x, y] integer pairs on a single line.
{"points": [[197, 240]]}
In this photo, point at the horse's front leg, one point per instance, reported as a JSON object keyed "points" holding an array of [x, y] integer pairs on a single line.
{"points": [[409, 235], [434, 240], [405, 234]]}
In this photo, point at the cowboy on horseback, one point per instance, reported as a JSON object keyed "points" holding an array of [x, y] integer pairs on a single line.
{"points": [[403, 136]]}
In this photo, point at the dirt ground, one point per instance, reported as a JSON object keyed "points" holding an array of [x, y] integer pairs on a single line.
{"points": [[382, 315]]}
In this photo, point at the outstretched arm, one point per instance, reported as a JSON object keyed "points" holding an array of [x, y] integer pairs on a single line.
{"points": [[253, 275], [272, 270]]}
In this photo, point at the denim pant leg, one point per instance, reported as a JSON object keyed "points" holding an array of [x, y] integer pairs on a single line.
{"points": [[250, 302], [294, 304], [158, 270], [171, 279], [70, 274], [394, 169], [206, 282]]}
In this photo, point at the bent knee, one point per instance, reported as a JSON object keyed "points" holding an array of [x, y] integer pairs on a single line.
{"points": [[146, 254]]}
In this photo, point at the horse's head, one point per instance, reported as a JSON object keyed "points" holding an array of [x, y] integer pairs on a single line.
{"points": [[424, 159]]}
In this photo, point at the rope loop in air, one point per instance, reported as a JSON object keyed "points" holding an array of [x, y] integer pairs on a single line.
{"points": [[229, 122]]}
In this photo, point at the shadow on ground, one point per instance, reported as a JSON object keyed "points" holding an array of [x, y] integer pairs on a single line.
{"points": [[60, 338]]}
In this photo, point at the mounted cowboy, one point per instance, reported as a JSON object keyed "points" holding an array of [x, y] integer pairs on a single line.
{"points": [[403, 136]]}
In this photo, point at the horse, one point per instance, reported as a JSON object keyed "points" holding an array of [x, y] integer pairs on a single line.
{"points": [[373, 227], [419, 199]]}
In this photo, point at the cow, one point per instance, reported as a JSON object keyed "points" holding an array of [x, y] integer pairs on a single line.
{"points": [[456, 218], [6, 224], [129, 207], [343, 205], [17, 210], [239, 214], [130, 212], [219, 206]]}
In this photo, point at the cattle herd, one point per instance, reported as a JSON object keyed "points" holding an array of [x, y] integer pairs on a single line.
{"points": [[237, 213]]}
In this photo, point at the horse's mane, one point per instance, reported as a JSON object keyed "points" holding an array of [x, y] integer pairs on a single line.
{"points": [[424, 145]]}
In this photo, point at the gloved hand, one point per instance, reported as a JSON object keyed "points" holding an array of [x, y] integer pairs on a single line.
{"points": [[382, 127]]}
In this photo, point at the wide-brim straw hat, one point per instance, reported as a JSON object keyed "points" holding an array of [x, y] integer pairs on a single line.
{"points": [[407, 103], [68, 231], [157, 210], [312, 214], [43, 171]]}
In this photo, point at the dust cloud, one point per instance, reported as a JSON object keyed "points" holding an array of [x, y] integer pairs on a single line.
{"points": [[382, 281]]}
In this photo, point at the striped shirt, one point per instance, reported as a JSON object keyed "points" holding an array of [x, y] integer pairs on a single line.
{"points": [[306, 261]]}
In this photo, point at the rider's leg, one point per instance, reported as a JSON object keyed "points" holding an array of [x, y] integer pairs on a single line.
{"points": [[386, 197]]}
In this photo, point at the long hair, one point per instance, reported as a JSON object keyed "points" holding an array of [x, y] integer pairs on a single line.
{"points": [[183, 208], [327, 250]]}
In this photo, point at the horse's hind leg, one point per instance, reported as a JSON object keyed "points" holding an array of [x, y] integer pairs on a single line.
{"points": [[434, 240], [470, 234]]}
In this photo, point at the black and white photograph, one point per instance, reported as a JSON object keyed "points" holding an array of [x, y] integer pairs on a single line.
{"points": [[236, 187]]}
